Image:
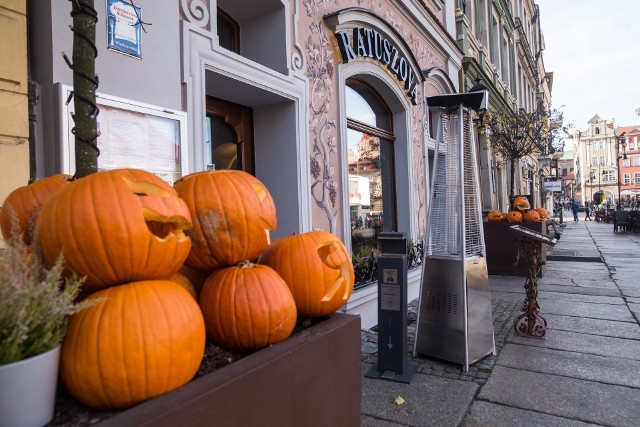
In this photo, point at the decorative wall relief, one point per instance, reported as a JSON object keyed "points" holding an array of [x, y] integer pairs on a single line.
{"points": [[196, 12], [320, 71]]}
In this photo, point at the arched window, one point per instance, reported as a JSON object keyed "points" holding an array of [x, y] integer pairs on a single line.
{"points": [[372, 189]]}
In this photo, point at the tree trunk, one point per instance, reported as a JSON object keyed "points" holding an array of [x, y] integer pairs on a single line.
{"points": [[84, 87], [512, 184]]}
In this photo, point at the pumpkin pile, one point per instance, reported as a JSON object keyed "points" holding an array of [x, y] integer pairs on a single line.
{"points": [[171, 266], [520, 211]]}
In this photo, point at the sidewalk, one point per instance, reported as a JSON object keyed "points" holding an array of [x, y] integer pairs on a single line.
{"points": [[585, 371]]}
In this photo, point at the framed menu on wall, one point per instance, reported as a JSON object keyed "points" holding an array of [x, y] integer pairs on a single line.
{"points": [[132, 135]]}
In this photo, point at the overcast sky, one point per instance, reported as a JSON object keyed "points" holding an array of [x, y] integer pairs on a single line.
{"points": [[593, 50]]}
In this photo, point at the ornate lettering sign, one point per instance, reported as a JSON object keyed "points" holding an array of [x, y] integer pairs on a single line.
{"points": [[368, 43]]}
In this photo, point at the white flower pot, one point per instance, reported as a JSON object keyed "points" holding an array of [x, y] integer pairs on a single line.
{"points": [[28, 390]]}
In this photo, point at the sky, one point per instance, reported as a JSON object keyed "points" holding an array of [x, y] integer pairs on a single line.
{"points": [[593, 49]]}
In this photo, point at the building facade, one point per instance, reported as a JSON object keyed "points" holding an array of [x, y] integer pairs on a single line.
{"points": [[14, 88], [324, 102], [629, 164], [502, 42], [595, 155]]}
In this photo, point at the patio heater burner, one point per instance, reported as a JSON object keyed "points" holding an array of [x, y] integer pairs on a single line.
{"points": [[455, 322]]}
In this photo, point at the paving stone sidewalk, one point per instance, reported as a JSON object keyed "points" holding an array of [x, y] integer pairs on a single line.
{"points": [[585, 371]]}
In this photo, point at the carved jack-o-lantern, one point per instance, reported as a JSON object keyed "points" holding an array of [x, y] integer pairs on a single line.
{"points": [[232, 213], [514, 216], [531, 216], [494, 216], [116, 227], [317, 268], [521, 204]]}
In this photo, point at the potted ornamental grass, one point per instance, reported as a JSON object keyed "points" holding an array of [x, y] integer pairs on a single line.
{"points": [[35, 305]]}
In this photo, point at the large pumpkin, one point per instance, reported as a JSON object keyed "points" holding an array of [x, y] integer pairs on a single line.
{"points": [[542, 212], [141, 340], [514, 216], [494, 216], [25, 201], [247, 307], [531, 216], [317, 269], [521, 204], [232, 213], [115, 227]]}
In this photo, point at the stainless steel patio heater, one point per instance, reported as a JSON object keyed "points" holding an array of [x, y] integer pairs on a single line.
{"points": [[454, 312]]}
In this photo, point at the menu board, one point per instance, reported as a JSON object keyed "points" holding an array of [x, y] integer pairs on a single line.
{"points": [[135, 135]]}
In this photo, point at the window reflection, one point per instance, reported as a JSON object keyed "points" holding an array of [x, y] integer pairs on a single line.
{"points": [[371, 171]]}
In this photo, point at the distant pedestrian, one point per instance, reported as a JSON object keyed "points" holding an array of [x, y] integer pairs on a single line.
{"points": [[587, 212], [574, 209]]}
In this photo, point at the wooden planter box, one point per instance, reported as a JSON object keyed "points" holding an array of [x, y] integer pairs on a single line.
{"points": [[312, 378], [502, 246]]}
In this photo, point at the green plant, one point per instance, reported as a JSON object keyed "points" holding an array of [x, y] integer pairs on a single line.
{"points": [[35, 302]]}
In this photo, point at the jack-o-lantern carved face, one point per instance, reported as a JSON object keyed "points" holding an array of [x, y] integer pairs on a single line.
{"points": [[531, 216], [115, 227], [542, 212], [317, 268], [494, 216], [232, 213], [514, 216], [521, 204]]}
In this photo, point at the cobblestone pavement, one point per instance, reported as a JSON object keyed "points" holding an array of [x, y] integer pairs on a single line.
{"points": [[505, 312]]}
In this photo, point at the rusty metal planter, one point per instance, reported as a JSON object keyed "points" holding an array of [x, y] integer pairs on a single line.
{"points": [[312, 378], [502, 248]]}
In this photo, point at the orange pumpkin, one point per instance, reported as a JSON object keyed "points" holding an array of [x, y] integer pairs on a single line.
{"points": [[531, 216], [142, 340], [494, 216], [505, 215], [232, 212], [521, 204], [514, 216], [317, 269], [25, 201], [115, 227], [542, 212], [247, 307]]}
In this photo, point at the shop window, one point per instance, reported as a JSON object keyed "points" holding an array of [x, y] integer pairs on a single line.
{"points": [[370, 151], [258, 30]]}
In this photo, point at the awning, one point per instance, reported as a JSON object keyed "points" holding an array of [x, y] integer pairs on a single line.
{"points": [[628, 193]]}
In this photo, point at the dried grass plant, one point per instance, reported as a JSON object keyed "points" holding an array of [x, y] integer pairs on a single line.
{"points": [[35, 301]]}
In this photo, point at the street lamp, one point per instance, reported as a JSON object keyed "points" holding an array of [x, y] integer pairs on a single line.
{"points": [[621, 142]]}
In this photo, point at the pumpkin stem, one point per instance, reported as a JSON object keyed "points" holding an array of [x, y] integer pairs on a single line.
{"points": [[246, 264]]}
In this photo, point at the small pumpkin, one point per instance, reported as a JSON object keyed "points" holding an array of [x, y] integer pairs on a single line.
{"points": [[521, 204], [232, 212], [504, 216], [514, 216], [542, 212], [247, 307], [142, 340], [25, 202], [494, 216], [531, 216], [317, 268], [115, 227]]}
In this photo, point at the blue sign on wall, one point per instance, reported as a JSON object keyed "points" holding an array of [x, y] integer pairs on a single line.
{"points": [[123, 28]]}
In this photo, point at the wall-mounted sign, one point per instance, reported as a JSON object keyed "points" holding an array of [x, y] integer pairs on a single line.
{"points": [[123, 28], [553, 184], [368, 43]]}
